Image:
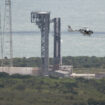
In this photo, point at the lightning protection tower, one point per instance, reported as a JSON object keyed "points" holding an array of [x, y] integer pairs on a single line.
{"points": [[42, 19], [1, 41], [7, 35]]}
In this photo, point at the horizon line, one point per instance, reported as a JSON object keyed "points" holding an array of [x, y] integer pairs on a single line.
{"points": [[23, 31]]}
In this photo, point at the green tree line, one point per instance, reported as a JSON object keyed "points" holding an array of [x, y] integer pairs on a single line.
{"points": [[27, 90], [77, 62]]}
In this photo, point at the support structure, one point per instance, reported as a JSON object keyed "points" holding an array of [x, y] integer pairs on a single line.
{"points": [[7, 34], [1, 43], [57, 43], [42, 19]]}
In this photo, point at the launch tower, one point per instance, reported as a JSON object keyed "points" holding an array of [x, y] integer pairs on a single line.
{"points": [[42, 19]]}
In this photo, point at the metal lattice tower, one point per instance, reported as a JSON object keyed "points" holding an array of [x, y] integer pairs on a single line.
{"points": [[42, 19], [7, 34], [1, 43]]}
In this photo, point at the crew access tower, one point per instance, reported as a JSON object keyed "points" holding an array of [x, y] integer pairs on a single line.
{"points": [[42, 19]]}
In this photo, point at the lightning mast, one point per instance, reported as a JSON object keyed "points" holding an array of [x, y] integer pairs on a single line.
{"points": [[1, 41], [7, 34], [1, 38]]}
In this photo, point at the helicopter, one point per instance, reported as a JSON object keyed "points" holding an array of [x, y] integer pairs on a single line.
{"points": [[84, 30]]}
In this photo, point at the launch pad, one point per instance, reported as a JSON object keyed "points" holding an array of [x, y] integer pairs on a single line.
{"points": [[42, 19]]}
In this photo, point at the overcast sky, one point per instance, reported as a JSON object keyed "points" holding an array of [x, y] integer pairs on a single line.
{"points": [[77, 13]]}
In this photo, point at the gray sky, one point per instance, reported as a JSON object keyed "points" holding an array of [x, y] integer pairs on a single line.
{"points": [[77, 13]]}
